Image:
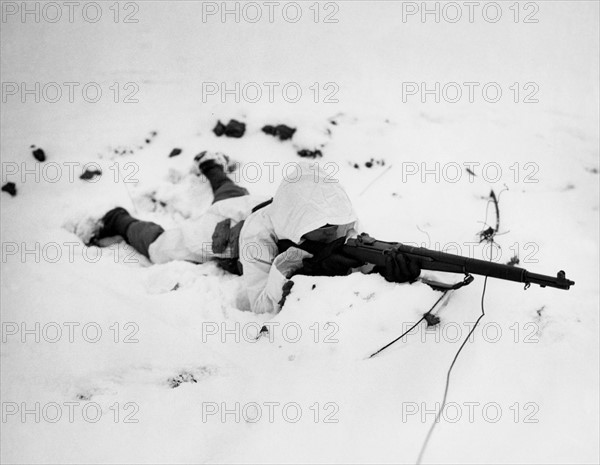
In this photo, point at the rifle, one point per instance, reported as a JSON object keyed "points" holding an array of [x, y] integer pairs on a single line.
{"points": [[368, 249]]}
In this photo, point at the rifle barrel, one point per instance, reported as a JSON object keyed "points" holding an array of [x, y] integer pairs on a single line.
{"points": [[374, 251]]}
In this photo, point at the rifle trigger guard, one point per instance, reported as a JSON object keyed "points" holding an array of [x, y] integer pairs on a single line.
{"points": [[527, 286]]}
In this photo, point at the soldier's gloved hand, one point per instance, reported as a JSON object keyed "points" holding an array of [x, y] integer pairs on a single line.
{"points": [[398, 268], [329, 261]]}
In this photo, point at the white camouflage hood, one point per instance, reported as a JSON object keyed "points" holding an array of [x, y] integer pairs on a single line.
{"points": [[308, 199]]}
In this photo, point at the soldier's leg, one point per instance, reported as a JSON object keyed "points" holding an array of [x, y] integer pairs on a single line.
{"points": [[139, 234], [212, 165]]}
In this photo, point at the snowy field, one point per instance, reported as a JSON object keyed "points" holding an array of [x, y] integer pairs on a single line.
{"points": [[107, 359]]}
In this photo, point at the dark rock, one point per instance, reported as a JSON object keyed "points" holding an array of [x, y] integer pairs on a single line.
{"points": [[268, 129], [39, 154], [219, 129], [10, 187], [514, 260], [90, 174], [175, 152], [183, 377], [369, 163], [281, 130], [304, 153], [432, 320], [233, 129]]}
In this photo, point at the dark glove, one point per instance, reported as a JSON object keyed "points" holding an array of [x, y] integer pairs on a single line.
{"points": [[328, 260], [398, 268]]}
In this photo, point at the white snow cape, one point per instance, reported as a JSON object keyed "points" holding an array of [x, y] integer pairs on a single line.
{"points": [[302, 203]]}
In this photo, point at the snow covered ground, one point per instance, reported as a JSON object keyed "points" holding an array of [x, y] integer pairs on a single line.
{"points": [[106, 359]]}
